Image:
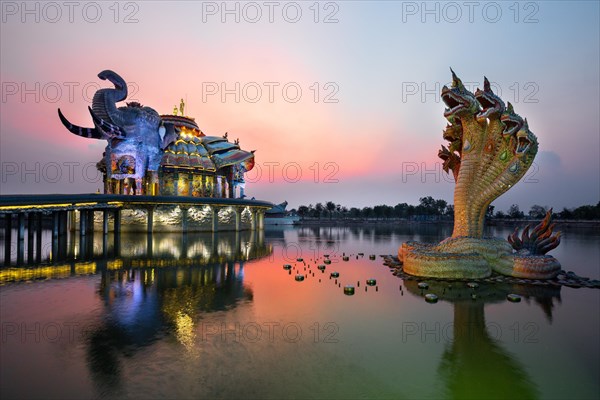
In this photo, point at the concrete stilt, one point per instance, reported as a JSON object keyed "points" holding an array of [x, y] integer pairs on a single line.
{"points": [[7, 238], [20, 238]]}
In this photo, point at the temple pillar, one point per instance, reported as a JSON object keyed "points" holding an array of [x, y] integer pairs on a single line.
{"points": [[105, 222], [38, 238], [104, 240], [30, 232], [184, 219], [253, 223], [63, 222], [217, 186], [150, 219], [238, 218], [261, 220], [72, 221], [91, 214], [83, 222], [139, 186], [214, 218], [175, 184], [7, 237], [20, 237], [55, 220]]}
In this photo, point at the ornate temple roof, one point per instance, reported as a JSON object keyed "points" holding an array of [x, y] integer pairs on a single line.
{"points": [[193, 149], [180, 121]]}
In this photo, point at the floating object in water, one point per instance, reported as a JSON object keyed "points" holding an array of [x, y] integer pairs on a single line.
{"points": [[372, 257], [326, 255], [299, 259], [327, 261], [346, 258], [431, 298], [321, 267], [287, 267], [473, 285], [299, 278], [334, 274], [515, 298], [361, 254], [473, 296], [349, 290], [371, 282], [422, 285]]}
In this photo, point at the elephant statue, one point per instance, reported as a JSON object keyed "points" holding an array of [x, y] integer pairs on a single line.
{"points": [[136, 135]]}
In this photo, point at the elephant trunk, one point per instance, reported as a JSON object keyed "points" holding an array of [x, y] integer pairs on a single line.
{"points": [[104, 102]]}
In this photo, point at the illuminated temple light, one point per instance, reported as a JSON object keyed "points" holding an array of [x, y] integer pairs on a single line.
{"points": [[35, 206], [85, 268], [113, 265], [30, 274], [184, 328]]}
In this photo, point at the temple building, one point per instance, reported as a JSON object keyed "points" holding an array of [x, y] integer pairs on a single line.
{"points": [[152, 154], [202, 166], [192, 165]]}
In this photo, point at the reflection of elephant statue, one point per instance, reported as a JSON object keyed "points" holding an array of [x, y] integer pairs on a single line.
{"points": [[136, 134]]}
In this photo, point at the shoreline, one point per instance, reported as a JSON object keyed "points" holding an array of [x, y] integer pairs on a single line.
{"points": [[396, 221]]}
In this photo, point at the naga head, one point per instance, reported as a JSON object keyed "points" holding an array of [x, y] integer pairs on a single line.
{"points": [[492, 105], [453, 131], [512, 121], [525, 147], [526, 140], [458, 99]]}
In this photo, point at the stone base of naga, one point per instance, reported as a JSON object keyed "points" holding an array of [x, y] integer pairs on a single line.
{"points": [[490, 149]]}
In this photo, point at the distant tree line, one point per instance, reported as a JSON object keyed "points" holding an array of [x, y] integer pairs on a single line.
{"points": [[432, 209]]}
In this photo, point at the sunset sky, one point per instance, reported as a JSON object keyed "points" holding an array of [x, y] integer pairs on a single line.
{"points": [[354, 115]]}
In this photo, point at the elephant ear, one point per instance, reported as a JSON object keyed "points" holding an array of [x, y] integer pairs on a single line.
{"points": [[171, 135], [109, 130]]}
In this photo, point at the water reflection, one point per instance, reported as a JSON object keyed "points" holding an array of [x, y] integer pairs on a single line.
{"points": [[204, 316], [475, 364], [96, 254], [144, 305]]}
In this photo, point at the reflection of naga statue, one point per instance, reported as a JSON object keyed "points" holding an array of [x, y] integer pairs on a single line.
{"points": [[490, 150]]}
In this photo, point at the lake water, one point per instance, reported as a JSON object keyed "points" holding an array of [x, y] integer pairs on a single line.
{"points": [[217, 316]]}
